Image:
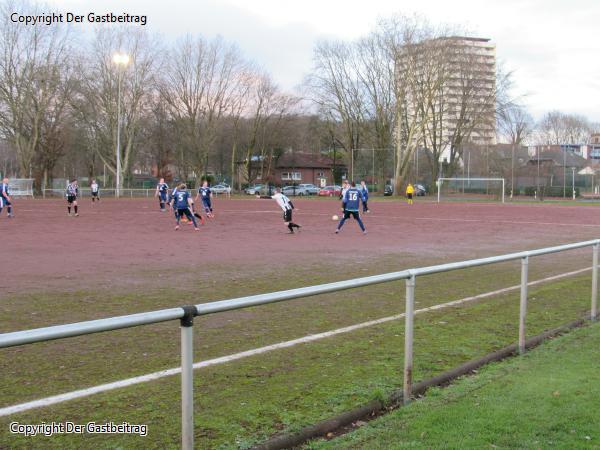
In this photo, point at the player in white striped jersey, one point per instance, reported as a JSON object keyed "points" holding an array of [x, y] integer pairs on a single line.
{"points": [[72, 193], [287, 206]]}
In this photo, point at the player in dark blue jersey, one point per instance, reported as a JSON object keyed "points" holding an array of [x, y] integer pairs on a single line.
{"points": [[72, 194], [351, 201], [182, 204], [5, 198], [365, 194], [162, 192], [205, 194]]}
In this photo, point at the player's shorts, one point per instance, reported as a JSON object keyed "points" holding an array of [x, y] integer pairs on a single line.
{"points": [[71, 198], [184, 212], [353, 214], [409, 196], [163, 197], [94, 194], [207, 206], [4, 202], [287, 215]]}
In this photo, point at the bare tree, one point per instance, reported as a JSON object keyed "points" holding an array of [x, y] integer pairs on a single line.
{"points": [[337, 90], [200, 84], [411, 46], [96, 101], [268, 107], [31, 85], [557, 128], [515, 125]]}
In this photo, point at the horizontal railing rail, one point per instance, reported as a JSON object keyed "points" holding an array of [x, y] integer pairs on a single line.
{"points": [[185, 315]]}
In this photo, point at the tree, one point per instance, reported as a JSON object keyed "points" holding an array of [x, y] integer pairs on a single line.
{"points": [[556, 128], [200, 86], [515, 125], [337, 90], [33, 85], [268, 107], [95, 103]]}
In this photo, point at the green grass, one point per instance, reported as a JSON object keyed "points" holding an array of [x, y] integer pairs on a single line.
{"points": [[545, 399], [244, 402]]}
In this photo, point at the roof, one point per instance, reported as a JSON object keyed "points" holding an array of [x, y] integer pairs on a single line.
{"points": [[306, 161], [559, 157]]}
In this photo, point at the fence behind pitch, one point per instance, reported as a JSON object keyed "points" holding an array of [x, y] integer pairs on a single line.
{"points": [[465, 189]]}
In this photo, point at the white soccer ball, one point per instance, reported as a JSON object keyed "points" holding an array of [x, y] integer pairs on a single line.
{"points": [[334, 217]]}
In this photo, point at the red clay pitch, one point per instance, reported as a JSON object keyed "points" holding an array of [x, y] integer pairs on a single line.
{"points": [[115, 239]]}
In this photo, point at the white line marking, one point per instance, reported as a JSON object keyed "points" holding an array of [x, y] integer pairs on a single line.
{"points": [[438, 219], [6, 411]]}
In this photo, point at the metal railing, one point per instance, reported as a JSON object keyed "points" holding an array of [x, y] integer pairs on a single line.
{"points": [[111, 192], [186, 314]]}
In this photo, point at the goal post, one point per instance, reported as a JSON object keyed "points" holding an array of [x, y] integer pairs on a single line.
{"points": [[482, 186], [21, 187]]}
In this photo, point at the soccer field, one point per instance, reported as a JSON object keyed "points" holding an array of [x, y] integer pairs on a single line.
{"points": [[121, 257]]}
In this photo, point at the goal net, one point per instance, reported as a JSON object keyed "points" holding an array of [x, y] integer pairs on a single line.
{"points": [[465, 189], [21, 187]]}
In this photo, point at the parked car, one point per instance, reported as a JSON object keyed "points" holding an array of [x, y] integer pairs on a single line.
{"points": [[331, 191], [221, 189], [420, 190], [310, 188], [266, 189], [254, 189], [294, 190], [388, 190]]}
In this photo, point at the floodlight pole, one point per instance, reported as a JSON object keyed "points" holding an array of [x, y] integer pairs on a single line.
{"points": [[573, 192], [120, 59], [118, 186]]}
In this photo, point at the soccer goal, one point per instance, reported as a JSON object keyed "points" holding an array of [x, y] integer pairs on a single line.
{"points": [[21, 187], [471, 189]]}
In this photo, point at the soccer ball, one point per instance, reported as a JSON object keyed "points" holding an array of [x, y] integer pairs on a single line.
{"points": [[335, 217]]}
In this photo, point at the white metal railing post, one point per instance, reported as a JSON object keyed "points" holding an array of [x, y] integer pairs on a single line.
{"points": [[409, 315], [523, 303], [503, 191], [594, 311], [187, 378], [439, 188]]}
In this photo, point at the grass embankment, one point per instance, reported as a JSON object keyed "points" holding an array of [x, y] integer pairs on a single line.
{"points": [[244, 402], [545, 399]]}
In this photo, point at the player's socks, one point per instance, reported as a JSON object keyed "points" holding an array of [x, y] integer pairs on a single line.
{"points": [[75, 207], [69, 209], [9, 208]]}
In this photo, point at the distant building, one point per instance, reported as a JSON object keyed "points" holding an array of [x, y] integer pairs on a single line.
{"points": [[466, 101], [293, 168], [302, 168]]}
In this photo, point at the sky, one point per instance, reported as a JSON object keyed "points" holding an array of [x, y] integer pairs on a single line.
{"points": [[552, 47]]}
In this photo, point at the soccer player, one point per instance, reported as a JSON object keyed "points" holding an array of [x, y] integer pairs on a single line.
{"points": [[365, 195], [410, 191], [5, 198], [287, 206], [352, 200], [182, 204], [345, 187], [162, 192], [95, 191], [205, 193], [72, 193]]}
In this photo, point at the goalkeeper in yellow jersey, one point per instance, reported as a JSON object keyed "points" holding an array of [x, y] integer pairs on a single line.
{"points": [[410, 191]]}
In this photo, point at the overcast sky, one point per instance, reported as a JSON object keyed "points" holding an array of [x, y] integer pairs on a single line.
{"points": [[553, 46]]}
